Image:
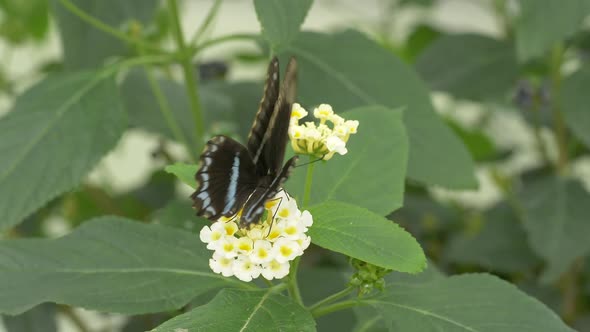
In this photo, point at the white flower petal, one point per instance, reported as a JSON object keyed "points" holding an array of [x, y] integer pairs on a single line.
{"points": [[306, 219], [335, 143], [262, 252], [286, 250]]}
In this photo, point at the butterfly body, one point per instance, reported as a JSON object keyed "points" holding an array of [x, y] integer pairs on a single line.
{"points": [[234, 177]]}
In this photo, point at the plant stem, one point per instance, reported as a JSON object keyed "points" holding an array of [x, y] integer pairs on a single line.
{"points": [[332, 298], [571, 289], [137, 61], [222, 39], [187, 67], [308, 181], [321, 311], [206, 23], [292, 283], [100, 25], [536, 110], [167, 113], [558, 122]]}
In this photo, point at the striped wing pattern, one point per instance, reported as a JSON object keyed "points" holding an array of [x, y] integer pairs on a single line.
{"points": [[231, 176]]}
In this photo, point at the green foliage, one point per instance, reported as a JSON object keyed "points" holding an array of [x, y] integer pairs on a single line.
{"points": [[500, 244], [85, 46], [39, 319], [144, 110], [453, 63], [260, 310], [280, 20], [184, 172], [576, 101], [332, 62], [64, 125], [107, 264], [24, 20], [455, 304], [556, 220], [534, 36], [342, 178], [137, 249], [361, 234]]}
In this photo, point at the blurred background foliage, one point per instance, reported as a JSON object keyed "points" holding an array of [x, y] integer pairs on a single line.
{"points": [[514, 88]]}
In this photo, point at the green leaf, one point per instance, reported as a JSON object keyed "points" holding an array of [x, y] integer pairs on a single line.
{"points": [[241, 310], [369, 319], [184, 172], [534, 36], [344, 178], [362, 234], [500, 245], [480, 146], [108, 264], [466, 303], [85, 46], [318, 283], [354, 71], [24, 19], [144, 110], [245, 97], [556, 221], [57, 131], [469, 66], [420, 38], [575, 101], [39, 319], [180, 214], [280, 20]]}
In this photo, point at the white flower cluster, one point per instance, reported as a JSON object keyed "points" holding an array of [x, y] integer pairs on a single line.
{"points": [[266, 248], [320, 140]]}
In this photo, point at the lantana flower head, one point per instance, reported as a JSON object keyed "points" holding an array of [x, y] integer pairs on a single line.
{"points": [[321, 140], [265, 249]]}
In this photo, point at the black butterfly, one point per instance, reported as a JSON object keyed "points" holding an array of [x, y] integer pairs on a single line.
{"points": [[232, 176]]}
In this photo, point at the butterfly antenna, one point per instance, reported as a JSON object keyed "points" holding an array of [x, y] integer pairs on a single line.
{"points": [[272, 221], [311, 162], [286, 193]]}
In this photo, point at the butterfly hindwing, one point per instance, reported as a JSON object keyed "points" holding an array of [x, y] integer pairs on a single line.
{"points": [[226, 178]]}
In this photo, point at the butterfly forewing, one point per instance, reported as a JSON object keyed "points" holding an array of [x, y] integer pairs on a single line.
{"points": [[263, 116], [276, 136], [226, 178]]}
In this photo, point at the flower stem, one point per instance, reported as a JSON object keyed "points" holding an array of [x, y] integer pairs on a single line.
{"points": [[308, 181], [206, 22], [187, 68], [332, 298], [100, 25], [321, 311], [293, 284]]}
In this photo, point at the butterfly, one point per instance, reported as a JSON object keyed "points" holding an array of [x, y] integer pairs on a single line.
{"points": [[233, 177]]}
